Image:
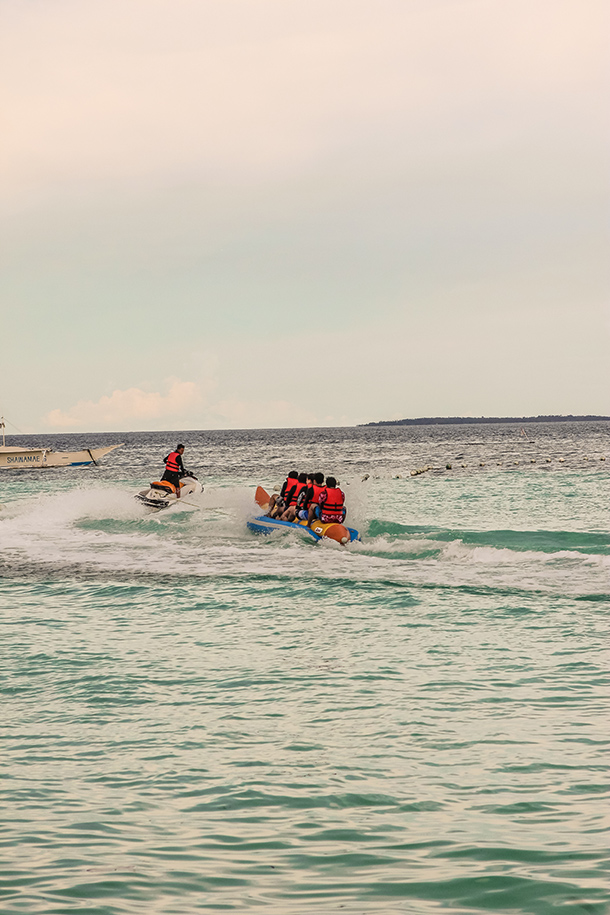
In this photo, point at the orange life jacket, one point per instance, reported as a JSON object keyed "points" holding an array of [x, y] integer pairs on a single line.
{"points": [[297, 491], [171, 462], [332, 508]]}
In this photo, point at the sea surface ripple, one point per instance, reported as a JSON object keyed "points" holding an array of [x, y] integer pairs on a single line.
{"points": [[196, 719]]}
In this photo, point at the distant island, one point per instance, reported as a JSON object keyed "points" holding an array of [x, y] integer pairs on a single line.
{"points": [[453, 420]]}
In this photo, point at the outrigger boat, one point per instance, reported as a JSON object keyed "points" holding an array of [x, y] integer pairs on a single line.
{"points": [[162, 493], [263, 524], [12, 458], [24, 458]]}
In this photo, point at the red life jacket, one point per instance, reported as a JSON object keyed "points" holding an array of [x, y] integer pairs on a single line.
{"points": [[332, 509], [289, 482], [171, 462], [297, 491], [315, 499]]}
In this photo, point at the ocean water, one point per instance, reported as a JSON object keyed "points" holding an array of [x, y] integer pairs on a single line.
{"points": [[197, 719]]}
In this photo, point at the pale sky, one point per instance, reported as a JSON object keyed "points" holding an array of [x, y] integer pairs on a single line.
{"points": [[255, 213]]}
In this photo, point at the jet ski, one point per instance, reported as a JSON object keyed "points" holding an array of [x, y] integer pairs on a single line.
{"points": [[162, 493], [263, 524]]}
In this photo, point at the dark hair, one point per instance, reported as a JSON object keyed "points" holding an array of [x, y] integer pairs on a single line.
{"points": [[311, 475], [330, 481], [319, 478], [293, 475], [178, 447], [302, 478]]}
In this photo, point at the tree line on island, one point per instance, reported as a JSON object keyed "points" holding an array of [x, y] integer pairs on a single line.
{"points": [[456, 420]]}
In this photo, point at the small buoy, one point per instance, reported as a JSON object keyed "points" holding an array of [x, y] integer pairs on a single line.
{"points": [[515, 462], [586, 458], [602, 458], [561, 460], [397, 477], [532, 460], [365, 477], [463, 465], [499, 463], [447, 466], [481, 464], [548, 460], [414, 473]]}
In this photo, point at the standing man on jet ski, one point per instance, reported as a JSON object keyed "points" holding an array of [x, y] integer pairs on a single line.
{"points": [[174, 468]]}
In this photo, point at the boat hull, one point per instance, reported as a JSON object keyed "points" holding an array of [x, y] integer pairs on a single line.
{"points": [[26, 458]]}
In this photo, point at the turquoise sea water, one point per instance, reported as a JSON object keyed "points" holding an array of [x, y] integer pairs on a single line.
{"points": [[195, 719]]}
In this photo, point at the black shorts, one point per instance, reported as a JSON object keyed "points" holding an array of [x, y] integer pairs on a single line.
{"points": [[172, 476]]}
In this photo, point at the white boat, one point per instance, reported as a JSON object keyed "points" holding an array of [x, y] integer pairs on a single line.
{"points": [[12, 457], [22, 458]]}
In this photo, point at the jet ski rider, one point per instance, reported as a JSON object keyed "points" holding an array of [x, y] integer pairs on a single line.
{"points": [[174, 468]]}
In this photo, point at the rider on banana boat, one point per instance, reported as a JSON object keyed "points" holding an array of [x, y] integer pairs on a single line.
{"points": [[293, 499], [331, 503], [174, 468], [278, 502], [302, 499], [313, 497]]}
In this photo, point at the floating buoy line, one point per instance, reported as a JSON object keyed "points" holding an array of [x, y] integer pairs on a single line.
{"points": [[418, 471]]}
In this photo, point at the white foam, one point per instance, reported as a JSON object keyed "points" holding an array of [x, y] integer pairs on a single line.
{"points": [[59, 530]]}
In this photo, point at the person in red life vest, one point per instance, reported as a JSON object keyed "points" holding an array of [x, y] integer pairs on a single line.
{"points": [[278, 503], [316, 489], [304, 497], [331, 504], [174, 468], [290, 512]]}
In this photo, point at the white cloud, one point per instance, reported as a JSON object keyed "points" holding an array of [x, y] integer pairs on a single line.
{"points": [[134, 409], [130, 408]]}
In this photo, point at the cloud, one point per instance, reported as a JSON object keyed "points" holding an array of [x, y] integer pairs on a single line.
{"points": [[129, 408], [134, 409]]}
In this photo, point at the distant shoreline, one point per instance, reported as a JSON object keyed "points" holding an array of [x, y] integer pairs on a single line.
{"points": [[467, 420]]}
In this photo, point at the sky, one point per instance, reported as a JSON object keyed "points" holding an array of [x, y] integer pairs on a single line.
{"points": [[267, 213]]}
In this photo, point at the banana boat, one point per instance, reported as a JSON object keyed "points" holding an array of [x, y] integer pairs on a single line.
{"points": [[262, 524]]}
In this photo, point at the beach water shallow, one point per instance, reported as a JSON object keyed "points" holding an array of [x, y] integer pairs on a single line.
{"points": [[199, 719]]}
